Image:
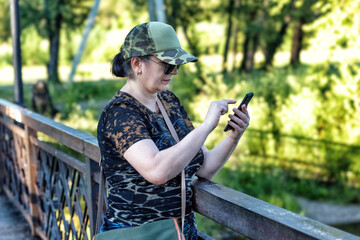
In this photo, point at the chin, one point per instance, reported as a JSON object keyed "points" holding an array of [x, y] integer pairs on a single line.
{"points": [[164, 88]]}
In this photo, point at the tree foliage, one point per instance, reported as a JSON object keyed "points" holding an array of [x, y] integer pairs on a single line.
{"points": [[48, 17], [43, 14], [252, 28], [5, 31]]}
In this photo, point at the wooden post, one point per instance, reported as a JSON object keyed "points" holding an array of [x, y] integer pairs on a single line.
{"points": [[15, 35], [92, 191], [31, 179]]}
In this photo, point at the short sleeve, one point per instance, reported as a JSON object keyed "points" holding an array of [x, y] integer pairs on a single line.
{"points": [[186, 117], [174, 101], [125, 126]]}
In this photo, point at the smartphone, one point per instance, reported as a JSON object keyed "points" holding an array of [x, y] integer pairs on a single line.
{"points": [[245, 101]]}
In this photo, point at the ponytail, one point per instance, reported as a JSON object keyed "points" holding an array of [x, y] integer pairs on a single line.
{"points": [[120, 67]]}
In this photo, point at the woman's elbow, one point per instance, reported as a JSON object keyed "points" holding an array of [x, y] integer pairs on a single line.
{"points": [[156, 178], [202, 173]]}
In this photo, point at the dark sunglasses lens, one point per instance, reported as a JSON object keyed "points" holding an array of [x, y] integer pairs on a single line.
{"points": [[169, 68]]}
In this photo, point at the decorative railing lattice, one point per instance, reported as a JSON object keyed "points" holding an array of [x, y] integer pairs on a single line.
{"points": [[47, 185], [62, 200]]}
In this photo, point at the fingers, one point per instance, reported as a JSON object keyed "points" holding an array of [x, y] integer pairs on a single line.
{"points": [[241, 118], [235, 126], [237, 123], [230, 101], [225, 103], [222, 105], [244, 110]]}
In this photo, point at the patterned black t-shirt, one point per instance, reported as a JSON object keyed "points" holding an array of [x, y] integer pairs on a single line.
{"points": [[133, 200]]}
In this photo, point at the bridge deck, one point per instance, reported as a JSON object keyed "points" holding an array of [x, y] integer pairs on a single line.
{"points": [[13, 225]]}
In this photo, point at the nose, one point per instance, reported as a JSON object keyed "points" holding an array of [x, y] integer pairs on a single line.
{"points": [[175, 71]]}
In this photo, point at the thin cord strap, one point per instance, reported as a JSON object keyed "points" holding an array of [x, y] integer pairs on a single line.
{"points": [[176, 137]]}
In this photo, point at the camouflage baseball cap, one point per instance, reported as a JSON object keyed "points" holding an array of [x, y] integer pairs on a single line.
{"points": [[158, 39]]}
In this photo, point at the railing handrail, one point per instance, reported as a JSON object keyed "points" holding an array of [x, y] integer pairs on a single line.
{"points": [[75, 139], [257, 219], [242, 213]]}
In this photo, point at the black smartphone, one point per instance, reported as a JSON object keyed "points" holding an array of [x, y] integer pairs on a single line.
{"points": [[245, 101]]}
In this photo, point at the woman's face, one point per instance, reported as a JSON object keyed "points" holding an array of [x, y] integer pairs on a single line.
{"points": [[153, 77]]}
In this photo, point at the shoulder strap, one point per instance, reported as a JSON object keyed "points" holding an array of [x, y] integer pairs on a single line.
{"points": [[176, 137]]}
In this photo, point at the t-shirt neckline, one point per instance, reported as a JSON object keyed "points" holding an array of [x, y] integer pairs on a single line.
{"points": [[138, 102]]}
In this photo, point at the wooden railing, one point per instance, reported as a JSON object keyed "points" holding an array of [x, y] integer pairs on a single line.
{"points": [[57, 193]]}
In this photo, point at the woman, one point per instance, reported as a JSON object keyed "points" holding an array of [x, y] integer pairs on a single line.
{"points": [[141, 160]]}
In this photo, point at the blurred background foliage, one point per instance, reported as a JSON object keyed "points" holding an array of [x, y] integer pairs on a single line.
{"points": [[301, 58]]}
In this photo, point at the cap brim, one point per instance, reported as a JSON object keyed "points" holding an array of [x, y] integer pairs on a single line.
{"points": [[176, 56]]}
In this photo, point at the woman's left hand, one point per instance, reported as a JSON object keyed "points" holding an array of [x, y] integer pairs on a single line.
{"points": [[240, 122]]}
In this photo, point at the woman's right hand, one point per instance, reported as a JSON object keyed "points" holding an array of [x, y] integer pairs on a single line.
{"points": [[216, 109]]}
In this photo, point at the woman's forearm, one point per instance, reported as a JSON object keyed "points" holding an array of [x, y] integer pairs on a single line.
{"points": [[216, 158], [173, 160]]}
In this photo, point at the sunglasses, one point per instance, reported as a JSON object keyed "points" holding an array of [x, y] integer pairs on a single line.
{"points": [[168, 67]]}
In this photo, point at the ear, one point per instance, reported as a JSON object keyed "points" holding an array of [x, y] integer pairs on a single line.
{"points": [[136, 65]]}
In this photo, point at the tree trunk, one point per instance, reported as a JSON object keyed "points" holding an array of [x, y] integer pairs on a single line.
{"points": [[255, 39], [236, 30], [297, 43], [54, 38], [247, 44], [88, 27], [245, 52], [173, 14], [249, 66], [272, 46], [228, 35]]}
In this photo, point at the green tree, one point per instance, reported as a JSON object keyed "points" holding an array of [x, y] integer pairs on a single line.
{"points": [[275, 28], [305, 13], [229, 31], [5, 31], [254, 16], [49, 17], [186, 14], [265, 24]]}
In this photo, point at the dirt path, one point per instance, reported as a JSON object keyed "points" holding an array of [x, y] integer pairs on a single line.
{"points": [[330, 214]]}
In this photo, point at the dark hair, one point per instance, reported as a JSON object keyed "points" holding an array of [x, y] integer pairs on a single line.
{"points": [[121, 67]]}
